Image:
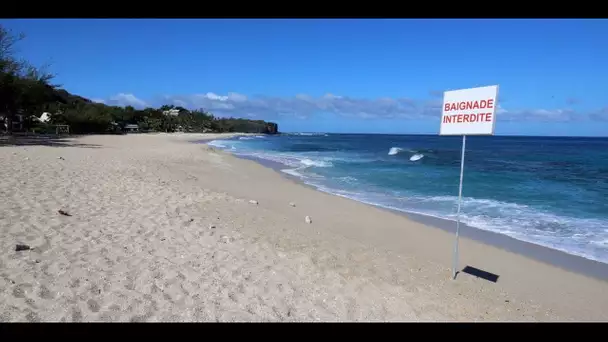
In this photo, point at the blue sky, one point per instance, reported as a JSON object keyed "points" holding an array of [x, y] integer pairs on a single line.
{"points": [[381, 76]]}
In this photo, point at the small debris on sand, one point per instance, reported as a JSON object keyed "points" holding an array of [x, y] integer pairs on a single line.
{"points": [[64, 213]]}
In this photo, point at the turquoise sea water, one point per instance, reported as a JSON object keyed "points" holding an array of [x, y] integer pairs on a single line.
{"points": [[549, 191]]}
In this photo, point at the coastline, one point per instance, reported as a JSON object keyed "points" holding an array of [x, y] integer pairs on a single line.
{"points": [[163, 229], [523, 268], [570, 262]]}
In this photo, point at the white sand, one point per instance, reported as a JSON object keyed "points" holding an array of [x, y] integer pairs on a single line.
{"points": [[163, 230]]}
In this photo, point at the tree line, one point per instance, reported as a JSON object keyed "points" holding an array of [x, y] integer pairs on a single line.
{"points": [[27, 91]]}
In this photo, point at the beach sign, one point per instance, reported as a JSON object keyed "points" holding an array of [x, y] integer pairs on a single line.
{"points": [[469, 111], [465, 112]]}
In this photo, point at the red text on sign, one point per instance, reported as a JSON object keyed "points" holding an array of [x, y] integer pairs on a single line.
{"points": [[462, 118], [468, 105]]}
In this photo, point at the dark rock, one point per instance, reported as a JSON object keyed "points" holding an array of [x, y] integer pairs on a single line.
{"points": [[271, 128], [19, 248]]}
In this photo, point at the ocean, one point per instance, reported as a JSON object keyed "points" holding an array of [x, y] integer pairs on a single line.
{"points": [[545, 190]]}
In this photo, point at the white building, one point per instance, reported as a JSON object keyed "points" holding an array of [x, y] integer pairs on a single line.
{"points": [[173, 112], [132, 128], [45, 117]]}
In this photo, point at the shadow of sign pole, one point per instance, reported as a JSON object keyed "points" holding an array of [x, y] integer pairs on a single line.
{"points": [[476, 272], [467, 112]]}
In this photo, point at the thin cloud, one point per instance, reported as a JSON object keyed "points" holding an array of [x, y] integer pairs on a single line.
{"points": [[540, 115], [124, 100], [600, 115], [436, 93], [571, 101], [304, 106]]}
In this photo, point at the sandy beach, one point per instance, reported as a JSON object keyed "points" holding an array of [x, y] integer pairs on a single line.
{"points": [[159, 228]]}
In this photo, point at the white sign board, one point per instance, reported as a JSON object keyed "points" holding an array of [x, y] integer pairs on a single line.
{"points": [[469, 111]]}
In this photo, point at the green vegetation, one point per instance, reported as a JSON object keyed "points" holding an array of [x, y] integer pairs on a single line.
{"points": [[26, 93]]}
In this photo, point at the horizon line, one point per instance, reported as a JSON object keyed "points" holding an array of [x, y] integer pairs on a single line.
{"points": [[437, 134]]}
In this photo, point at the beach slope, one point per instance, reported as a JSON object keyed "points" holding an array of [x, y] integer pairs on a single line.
{"points": [[157, 228]]}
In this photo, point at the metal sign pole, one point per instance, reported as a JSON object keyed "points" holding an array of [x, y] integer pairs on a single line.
{"points": [[455, 258]]}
